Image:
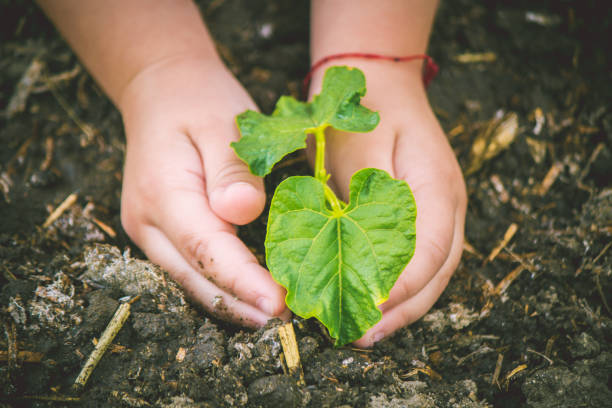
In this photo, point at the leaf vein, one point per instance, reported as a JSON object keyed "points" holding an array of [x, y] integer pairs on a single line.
{"points": [[299, 272], [368, 241], [340, 263]]}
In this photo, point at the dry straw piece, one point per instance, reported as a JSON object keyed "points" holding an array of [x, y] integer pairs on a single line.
{"points": [[116, 323], [291, 352], [67, 203]]}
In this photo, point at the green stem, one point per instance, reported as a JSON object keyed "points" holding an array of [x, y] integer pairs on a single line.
{"points": [[319, 170], [321, 174], [333, 200]]}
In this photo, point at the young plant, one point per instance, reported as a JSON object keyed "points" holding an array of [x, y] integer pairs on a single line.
{"points": [[337, 260]]}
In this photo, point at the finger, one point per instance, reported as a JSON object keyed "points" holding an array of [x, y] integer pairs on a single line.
{"points": [[435, 222], [218, 302], [178, 206], [415, 307], [235, 195], [215, 251]]}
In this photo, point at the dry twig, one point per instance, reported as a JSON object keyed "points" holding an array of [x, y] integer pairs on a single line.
{"points": [[51, 398], [602, 294], [481, 350], [469, 248], [503, 285], [105, 227], [598, 149], [498, 367], [549, 179], [590, 265], [512, 373], [67, 203], [116, 323], [85, 128], [428, 371], [507, 237], [475, 57], [11, 338], [49, 147], [17, 103], [530, 350]]}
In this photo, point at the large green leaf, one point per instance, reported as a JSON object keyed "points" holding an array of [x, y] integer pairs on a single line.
{"points": [[267, 139], [339, 265]]}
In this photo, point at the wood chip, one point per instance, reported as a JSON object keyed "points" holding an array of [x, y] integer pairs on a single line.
{"points": [[428, 371], [530, 350], [54, 80], [12, 354], [49, 147], [499, 187], [549, 179], [30, 77], [540, 120], [105, 227], [537, 149], [467, 247], [291, 352], [503, 285], [475, 57], [496, 137], [498, 367], [484, 349], [587, 168], [67, 203], [514, 372], [507, 237], [20, 155], [52, 398], [456, 131], [180, 354]]}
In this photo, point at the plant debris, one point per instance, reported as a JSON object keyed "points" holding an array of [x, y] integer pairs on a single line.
{"points": [[529, 328]]}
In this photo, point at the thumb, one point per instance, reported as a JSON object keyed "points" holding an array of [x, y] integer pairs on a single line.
{"points": [[234, 194]]}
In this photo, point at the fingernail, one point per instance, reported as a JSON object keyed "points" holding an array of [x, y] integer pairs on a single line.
{"points": [[377, 337], [265, 305]]}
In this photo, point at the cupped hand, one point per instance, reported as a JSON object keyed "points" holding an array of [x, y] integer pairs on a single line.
{"points": [[184, 188], [410, 145]]}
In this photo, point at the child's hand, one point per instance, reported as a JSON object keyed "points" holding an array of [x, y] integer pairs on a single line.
{"points": [[184, 187], [410, 145]]}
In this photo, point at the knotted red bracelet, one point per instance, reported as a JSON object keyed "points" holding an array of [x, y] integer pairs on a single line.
{"points": [[429, 72]]}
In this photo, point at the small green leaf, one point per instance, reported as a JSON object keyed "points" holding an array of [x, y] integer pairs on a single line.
{"points": [[338, 266], [267, 139], [338, 103]]}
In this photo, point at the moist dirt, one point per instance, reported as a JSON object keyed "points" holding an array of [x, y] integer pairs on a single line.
{"points": [[524, 95]]}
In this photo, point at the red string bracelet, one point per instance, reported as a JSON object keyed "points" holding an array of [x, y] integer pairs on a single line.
{"points": [[429, 73]]}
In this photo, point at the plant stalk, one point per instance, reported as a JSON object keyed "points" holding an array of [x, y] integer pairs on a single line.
{"points": [[321, 174], [319, 170]]}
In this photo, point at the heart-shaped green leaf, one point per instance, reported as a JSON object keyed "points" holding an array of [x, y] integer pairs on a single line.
{"points": [[267, 139], [338, 265]]}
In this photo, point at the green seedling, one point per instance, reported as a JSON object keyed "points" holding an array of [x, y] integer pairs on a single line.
{"points": [[338, 261]]}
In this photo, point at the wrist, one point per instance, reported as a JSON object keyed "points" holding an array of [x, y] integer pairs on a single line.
{"points": [[381, 76], [166, 76]]}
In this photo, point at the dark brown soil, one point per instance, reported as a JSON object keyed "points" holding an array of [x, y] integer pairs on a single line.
{"points": [[544, 340]]}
